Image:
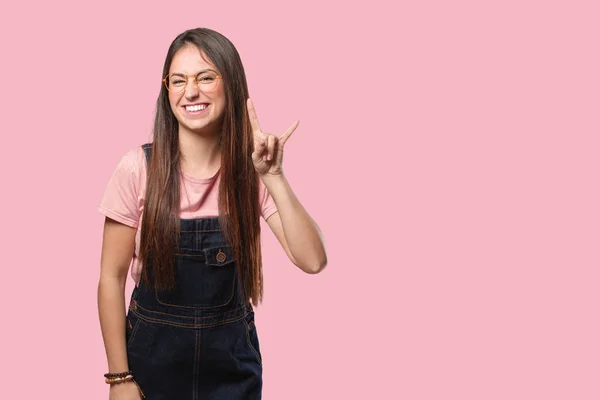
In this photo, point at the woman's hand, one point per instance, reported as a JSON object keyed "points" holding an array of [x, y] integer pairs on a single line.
{"points": [[124, 391], [268, 149]]}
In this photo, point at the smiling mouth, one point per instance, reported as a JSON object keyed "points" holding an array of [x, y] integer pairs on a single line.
{"points": [[196, 107]]}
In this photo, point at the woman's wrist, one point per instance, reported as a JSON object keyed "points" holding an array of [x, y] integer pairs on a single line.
{"points": [[119, 378]]}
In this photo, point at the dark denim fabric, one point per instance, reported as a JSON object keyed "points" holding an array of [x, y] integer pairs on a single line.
{"points": [[200, 340]]}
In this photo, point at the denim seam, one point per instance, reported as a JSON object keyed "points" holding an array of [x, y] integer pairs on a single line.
{"points": [[258, 357], [185, 316], [192, 326], [133, 330]]}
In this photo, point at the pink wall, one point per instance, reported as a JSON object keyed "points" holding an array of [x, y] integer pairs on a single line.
{"points": [[447, 150]]}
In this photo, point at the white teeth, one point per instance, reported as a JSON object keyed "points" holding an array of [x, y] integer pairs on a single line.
{"points": [[196, 108]]}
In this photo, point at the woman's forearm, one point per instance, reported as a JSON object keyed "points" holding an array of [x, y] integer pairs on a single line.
{"points": [[111, 306], [301, 233]]}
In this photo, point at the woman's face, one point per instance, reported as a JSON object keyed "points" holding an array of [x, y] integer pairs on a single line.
{"points": [[188, 61]]}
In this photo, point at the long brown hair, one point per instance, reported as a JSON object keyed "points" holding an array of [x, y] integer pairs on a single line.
{"points": [[239, 212]]}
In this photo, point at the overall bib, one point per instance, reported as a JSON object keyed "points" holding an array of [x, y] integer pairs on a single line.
{"points": [[198, 341]]}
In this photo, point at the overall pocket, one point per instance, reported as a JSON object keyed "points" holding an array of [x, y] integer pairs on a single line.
{"points": [[132, 322], [204, 278], [252, 336]]}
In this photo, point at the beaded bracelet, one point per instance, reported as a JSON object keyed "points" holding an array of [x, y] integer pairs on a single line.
{"points": [[119, 380], [127, 378], [117, 374]]}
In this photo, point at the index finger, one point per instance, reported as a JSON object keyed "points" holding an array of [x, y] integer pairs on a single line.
{"points": [[252, 115]]}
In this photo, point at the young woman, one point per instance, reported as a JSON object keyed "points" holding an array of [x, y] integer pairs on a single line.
{"points": [[185, 212]]}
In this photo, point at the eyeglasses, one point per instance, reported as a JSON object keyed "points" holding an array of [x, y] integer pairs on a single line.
{"points": [[206, 81]]}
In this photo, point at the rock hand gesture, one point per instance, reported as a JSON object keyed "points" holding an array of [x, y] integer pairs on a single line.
{"points": [[268, 149]]}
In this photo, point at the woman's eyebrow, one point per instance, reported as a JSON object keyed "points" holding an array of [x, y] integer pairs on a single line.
{"points": [[204, 70]]}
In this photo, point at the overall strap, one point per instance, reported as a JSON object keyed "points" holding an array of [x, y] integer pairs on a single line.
{"points": [[148, 151]]}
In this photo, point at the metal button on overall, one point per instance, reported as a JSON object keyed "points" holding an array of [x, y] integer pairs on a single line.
{"points": [[221, 257]]}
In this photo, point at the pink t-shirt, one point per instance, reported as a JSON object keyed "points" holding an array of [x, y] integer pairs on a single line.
{"points": [[124, 196]]}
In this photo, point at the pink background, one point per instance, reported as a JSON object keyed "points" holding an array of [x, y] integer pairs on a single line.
{"points": [[447, 150]]}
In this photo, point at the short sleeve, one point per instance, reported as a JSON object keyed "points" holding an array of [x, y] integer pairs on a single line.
{"points": [[121, 200], [267, 204]]}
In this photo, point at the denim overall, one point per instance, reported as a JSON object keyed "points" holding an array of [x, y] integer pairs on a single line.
{"points": [[198, 341]]}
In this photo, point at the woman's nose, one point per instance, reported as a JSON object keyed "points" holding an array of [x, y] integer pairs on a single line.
{"points": [[191, 89]]}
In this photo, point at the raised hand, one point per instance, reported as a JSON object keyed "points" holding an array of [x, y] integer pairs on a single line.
{"points": [[268, 149]]}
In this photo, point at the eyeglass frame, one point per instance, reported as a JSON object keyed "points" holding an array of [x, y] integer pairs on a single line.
{"points": [[187, 80]]}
